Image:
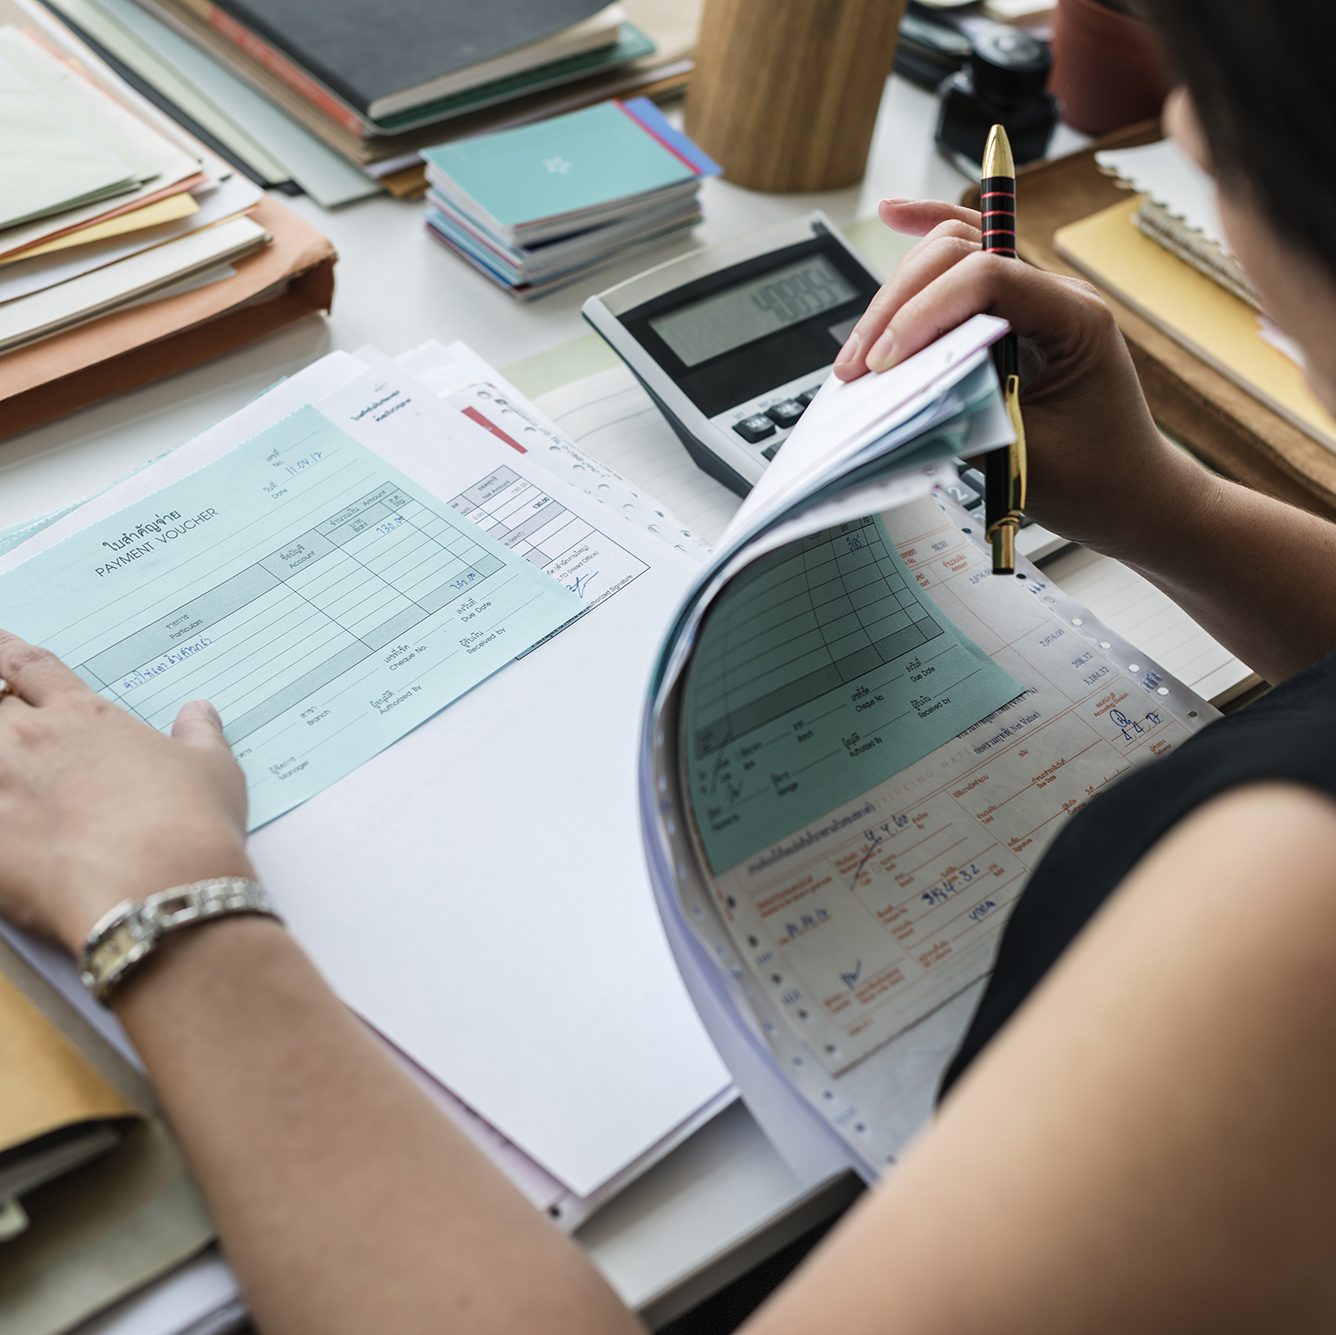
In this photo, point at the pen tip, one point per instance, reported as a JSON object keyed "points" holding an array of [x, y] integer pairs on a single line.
{"points": [[997, 159]]}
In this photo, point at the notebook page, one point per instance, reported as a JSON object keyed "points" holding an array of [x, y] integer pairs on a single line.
{"points": [[1164, 173], [612, 418], [1151, 620]]}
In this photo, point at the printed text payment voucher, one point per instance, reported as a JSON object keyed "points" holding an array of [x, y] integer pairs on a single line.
{"points": [[324, 603]]}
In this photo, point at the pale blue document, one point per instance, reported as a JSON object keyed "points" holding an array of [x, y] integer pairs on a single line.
{"points": [[324, 603], [821, 670]]}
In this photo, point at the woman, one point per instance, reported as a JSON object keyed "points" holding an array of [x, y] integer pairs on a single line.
{"points": [[1144, 1141]]}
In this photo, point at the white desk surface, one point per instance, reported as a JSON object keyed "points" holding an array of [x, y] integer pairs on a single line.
{"points": [[723, 1201]]}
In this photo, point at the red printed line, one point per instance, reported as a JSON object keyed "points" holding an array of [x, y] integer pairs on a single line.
{"points": [[998, 194], [474, 415]]}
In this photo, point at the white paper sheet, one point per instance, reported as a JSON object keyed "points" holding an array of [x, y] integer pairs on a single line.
{"points": [[610, 416], [232, 196], [478, 891], [533, 980], [158, 162], [93, 294], [50, 162], [198, 1299]]}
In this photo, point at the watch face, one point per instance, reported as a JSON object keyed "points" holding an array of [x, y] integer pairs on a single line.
{"points": [[122, 943]]}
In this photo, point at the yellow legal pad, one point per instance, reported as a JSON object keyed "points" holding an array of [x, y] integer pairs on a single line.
{"points": [[45, 1083], [171, 209], [1213, 323]]}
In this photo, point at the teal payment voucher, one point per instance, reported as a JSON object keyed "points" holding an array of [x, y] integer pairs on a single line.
{"points": [[324, 603], [821, 670]]}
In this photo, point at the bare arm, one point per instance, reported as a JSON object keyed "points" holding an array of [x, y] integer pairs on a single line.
{"points": [[1154, 1121], [345, 1201], [1148, 1146], [1258, 574]]}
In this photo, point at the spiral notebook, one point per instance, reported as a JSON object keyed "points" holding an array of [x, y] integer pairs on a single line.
{"points": [[1220, 327], [1178, 210]]}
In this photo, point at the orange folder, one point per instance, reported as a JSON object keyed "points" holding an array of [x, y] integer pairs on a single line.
{"points": [[291, 277]]}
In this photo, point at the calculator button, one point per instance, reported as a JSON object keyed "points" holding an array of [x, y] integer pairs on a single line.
{"points": [[963, 495], [969, 490], [786, 413], [754, 428], [771, 450], [808, 395]]}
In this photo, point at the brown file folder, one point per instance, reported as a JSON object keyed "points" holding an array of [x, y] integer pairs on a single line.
{"points": [[291, 277]]}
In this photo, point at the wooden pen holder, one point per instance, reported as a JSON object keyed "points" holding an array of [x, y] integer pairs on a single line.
{"points": [[785, 92]]}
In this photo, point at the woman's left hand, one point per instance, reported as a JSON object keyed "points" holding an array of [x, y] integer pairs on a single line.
{"points": [[97, 807]]}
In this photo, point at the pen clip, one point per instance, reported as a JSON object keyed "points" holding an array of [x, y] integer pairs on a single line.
{"points": [[1001, 533], [1011, 397]]}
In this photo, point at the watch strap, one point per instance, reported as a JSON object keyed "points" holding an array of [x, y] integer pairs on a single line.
{"points": [[127, 935]]}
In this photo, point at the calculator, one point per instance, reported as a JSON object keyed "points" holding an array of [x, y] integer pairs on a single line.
{"points": [[733, 341]]}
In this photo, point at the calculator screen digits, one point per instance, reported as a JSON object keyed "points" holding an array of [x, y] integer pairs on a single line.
{"points": [[752, 309]]}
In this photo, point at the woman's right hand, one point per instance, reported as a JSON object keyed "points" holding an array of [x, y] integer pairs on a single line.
{"points": [[1098, 464]]}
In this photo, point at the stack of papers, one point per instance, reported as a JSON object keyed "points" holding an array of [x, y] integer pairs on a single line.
{"points": [[414, 580], [536, 208], [102, 211], [110, 208], [337, 100]]}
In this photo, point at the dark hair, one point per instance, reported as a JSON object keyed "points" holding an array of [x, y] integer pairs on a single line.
{"points": [[1262, 74]]}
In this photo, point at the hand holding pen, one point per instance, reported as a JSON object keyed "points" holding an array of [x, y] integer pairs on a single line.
{"points": [[1090, 438], [1004, 469]]}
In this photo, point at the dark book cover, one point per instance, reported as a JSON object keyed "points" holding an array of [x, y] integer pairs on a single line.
{"points": [[365, 50]]}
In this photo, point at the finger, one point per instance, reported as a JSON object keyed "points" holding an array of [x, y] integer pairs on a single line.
{"points": [[948, 244], [917, 217], [34, 674], [1054, 311], [198, 724]]}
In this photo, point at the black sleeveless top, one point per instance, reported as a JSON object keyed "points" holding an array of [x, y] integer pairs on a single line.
{"points": [[1289, 734]]}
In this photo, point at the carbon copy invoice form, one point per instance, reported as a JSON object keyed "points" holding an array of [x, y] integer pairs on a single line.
{"points": [[469, 878], [323, 602]]}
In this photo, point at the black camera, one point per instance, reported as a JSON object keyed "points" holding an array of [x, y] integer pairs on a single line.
{"points": [[984, 73], [1004, 80]]}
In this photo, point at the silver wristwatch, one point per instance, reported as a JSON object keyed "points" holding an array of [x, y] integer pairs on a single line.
{"points": [[130, 933]]}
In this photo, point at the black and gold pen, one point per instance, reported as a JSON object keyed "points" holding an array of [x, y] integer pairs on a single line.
{"points": [[1004, 469]]}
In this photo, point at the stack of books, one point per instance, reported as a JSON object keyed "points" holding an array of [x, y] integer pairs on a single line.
{"points": [[538, 207], [337, 99], [127, 248]]}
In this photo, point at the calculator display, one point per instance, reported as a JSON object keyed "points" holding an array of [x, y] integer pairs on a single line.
{"points": [[751, 310]]}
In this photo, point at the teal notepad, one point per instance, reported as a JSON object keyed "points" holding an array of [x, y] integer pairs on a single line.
{"points": [[585, 160]]}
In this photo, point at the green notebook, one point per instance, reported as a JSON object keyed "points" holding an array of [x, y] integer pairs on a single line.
{"points": [[587, 160], [631, 44]]}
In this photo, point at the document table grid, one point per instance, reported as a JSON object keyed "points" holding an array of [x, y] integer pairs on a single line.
{"points": [[822, 616], [320, 604]]}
